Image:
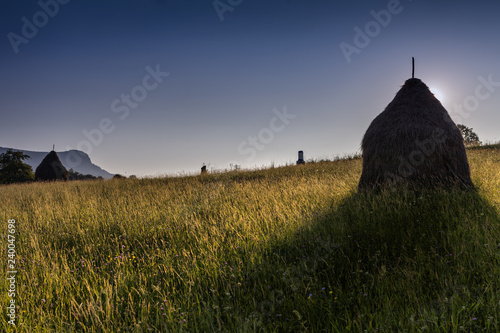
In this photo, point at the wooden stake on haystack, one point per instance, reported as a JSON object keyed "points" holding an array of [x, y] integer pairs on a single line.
{"points": [[412, 67]]}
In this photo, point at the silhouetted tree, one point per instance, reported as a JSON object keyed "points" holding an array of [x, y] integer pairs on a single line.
{"points": [[75, 175], [470, 138], [13, 169]]}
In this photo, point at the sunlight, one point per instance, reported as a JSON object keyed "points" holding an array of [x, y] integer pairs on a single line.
{"points": [[439, 95]]}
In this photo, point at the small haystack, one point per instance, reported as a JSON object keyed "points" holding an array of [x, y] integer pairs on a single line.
{"points": [[51, 168], [414, 142]]}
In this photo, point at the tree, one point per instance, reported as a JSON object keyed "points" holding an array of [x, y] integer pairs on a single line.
{"points": [[13, 169], [75, 175], [470, 138]]}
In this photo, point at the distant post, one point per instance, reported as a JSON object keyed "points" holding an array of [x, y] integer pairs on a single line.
{"points": [[301, 158]]}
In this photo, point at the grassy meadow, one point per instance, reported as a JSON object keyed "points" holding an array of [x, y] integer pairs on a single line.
{"points": [[288, 249]]}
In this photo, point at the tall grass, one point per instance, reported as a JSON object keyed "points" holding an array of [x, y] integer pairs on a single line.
{"points": [[285, 249]]}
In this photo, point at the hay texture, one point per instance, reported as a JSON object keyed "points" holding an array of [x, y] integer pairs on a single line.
{"points": [[51, 168], [414, 143]]}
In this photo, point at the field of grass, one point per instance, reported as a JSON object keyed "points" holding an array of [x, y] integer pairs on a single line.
{"points": [[286, 249]]}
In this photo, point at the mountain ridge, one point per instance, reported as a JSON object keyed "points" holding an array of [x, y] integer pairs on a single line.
{"points": [[71, 159]]}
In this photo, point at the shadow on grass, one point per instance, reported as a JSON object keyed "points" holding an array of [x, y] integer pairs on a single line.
{"points": [[369, 261], [373, 257]]}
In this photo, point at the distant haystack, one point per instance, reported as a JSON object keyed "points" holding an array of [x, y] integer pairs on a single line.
{"points": [[414, 142], [51, 168]]}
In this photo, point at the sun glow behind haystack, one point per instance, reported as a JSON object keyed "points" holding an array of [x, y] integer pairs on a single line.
{"points": [[438, 94]]}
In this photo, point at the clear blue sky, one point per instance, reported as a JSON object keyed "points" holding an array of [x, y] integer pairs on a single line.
{"points": [[250, 82]]}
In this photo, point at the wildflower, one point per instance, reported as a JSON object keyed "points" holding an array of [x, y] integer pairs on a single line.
{"points": [[43, 300], [310, 295]]}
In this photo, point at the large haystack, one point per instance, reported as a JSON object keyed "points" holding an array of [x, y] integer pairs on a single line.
{"points": [[51, 168], [414, 142]]}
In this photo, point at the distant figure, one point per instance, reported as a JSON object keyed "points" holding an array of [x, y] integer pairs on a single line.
{"points": [[51, 168], [301, 158], [203, 169]]}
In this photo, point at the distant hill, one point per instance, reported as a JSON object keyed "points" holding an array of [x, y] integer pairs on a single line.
{"points": [[71, 159]]}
